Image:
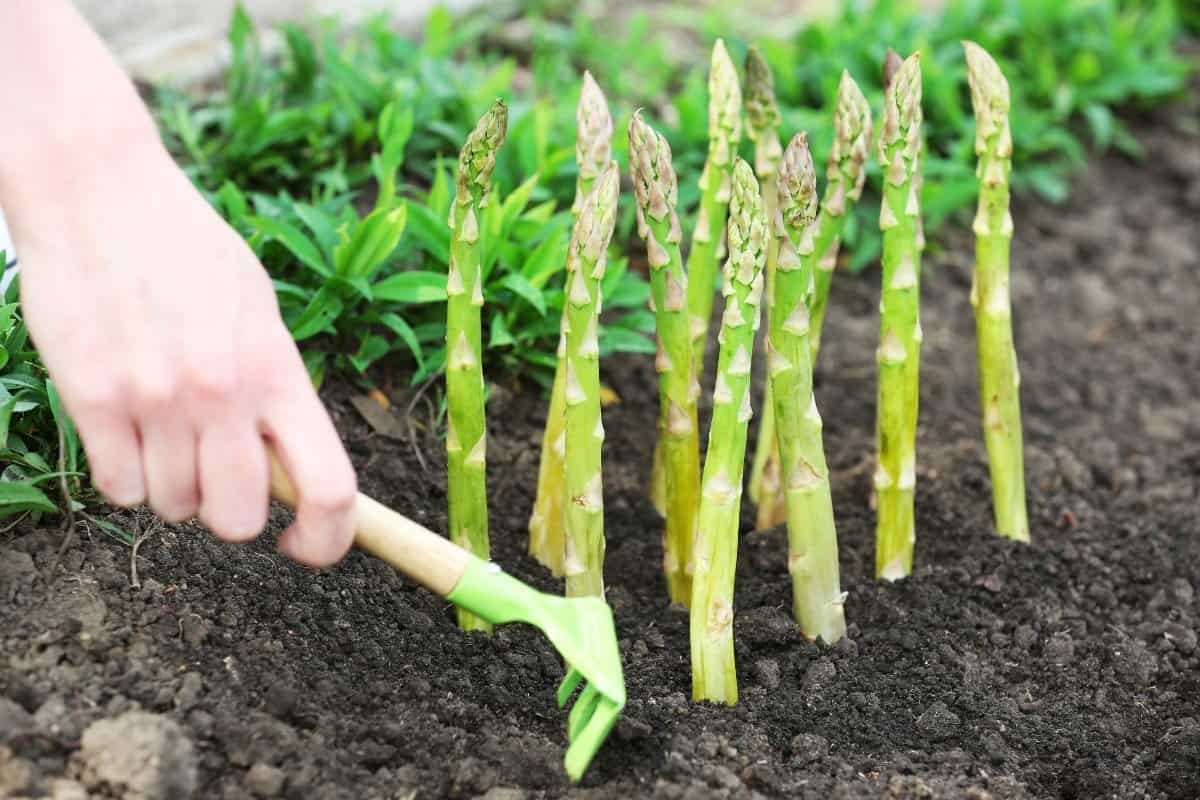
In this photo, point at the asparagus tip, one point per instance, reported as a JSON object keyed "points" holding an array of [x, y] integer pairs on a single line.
{"points": [[654, 181], [891, 65], [762, 111], [593, 143], [798, 183], [725, 103], [477, 159], [989, 89]]}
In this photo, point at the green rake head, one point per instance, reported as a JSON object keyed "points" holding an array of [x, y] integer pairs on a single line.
{"points": [[580, 628]]}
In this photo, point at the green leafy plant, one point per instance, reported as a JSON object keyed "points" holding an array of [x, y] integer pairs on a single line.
{"points": [[40, 453]]}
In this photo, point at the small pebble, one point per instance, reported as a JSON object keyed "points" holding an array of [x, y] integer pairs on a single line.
{"points": [[809, 747], [767, 673], [190, 690], [820, 675], [938, 721], [264, 780], [1060, 649]]}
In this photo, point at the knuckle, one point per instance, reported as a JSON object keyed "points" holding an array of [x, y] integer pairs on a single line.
{"points": [[335, 495], [210, 378], [93, 397], [153, 389]]}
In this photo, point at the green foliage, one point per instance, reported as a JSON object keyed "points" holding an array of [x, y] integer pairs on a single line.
{"points": [[40, 452], [355, 287], [1070, 65]]}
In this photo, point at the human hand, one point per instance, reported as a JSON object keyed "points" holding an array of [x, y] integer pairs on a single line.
{"points": [[162, 332]]}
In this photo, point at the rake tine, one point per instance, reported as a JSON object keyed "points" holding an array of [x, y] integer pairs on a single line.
{"points": [[582, 711], [587, 742], [568, 685]]}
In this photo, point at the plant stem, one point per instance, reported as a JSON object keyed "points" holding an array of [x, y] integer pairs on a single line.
{"points": [[714, 676], [657, 190], [817, 599], [466, 438], [900, 326], [845, 176], [762, 117], [593, 150], [597, 214], [999, 378], [707, 247]]}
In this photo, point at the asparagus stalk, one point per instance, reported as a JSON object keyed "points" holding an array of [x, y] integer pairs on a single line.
{"points": [[999, 380], [762, 127], [466, 438], [714, 676], [900, 327], [724, 134], [656, 190], [593, 151], [845, 175], [597, 214], [817, 599]]}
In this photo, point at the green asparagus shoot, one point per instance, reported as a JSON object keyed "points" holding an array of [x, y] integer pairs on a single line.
{"points": [[999, 379], [817, 599], [762, 128], [845, 175], [466, 437], [656, 190], [714, 676], [900, 326], [597, 214], [708, 236], [593, 152], [724, 134]]}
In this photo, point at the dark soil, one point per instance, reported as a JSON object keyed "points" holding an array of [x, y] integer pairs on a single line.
{"points": [[1068, 668]]}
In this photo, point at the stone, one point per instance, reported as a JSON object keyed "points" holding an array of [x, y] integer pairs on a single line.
{"points": [[809, 747], [938, 721], [15, 721], [264, 780], [144, 756], [767, 673]]}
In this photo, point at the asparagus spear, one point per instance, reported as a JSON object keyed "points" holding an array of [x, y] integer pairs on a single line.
{"points": [[724, 133], [593, 151], [900, 327], [584, 564], [817, 599], [845, 175], [466, 437], [656, 189], [999, 380], [762, 127], [714, 676]]}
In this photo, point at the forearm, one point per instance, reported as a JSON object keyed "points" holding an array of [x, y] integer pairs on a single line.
{"points": [[62, 96]]}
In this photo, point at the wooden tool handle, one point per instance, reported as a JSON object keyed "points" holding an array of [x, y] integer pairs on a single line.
{"points": [[431, 560]]}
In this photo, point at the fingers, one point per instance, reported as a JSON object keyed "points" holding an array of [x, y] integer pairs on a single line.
{"points": [[313, 456], [169, 466], [232, 467], [114, 455]]}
